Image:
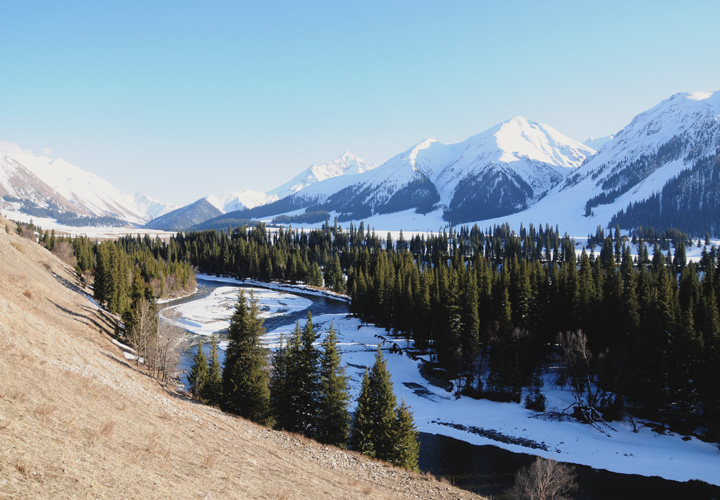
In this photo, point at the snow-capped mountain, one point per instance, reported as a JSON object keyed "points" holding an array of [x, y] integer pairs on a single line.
{"points": [[672, 140], [21, 189], [89, 195], [151, 207], [661, 170], [240, 201], [346, 164], [84, 190], [598, 142], [500, 171]]}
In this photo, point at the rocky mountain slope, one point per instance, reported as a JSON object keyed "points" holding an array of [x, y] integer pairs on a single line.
{"points": [[79, 421], [185, 217]]}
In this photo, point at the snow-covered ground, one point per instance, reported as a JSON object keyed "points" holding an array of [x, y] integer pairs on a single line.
{"points": [[212, 314], [479, 422], [93, 232]]}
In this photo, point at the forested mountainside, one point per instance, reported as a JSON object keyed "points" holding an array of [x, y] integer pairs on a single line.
{"points": [[689, 202]]}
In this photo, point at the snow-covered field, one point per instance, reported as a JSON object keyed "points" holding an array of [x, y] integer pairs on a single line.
{"points": [[212, 314], [437, 411], [93, 232]]}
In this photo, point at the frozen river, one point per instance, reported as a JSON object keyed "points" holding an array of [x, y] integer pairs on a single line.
{"points": [[452, 427]]}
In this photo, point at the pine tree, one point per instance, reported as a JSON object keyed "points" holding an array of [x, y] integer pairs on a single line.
{"points": [[211, 390], [245, 379], [374, 419], [361, 437], [333, 424], [405, 439], [198, 372], [303, 381], [279, 395]]}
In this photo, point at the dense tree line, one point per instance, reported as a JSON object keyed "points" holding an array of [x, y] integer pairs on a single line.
{"points": [[690, 201], [493, 317], [491, 305], [119, 266]]}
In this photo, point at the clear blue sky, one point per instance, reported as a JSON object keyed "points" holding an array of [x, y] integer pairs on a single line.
{"points": [[182, 99]]}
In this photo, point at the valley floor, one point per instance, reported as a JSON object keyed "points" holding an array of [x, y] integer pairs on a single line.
{"points": [[481, 422]]}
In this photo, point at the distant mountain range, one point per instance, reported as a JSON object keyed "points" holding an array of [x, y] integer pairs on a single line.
{"points": [[44, 187], [661, 170]]}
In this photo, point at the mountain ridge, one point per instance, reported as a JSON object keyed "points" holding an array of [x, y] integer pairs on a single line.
{"points": [[518, 170]]}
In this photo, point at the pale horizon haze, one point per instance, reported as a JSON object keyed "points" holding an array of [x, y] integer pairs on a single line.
{"points": [[185, 99]]}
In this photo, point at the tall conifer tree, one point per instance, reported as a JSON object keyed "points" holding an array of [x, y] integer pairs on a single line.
{"points": [[198, 372], [405, 440], [303, 380], [245, 379], [333, 418], [374, 419], [279, 394], [211, 390]]}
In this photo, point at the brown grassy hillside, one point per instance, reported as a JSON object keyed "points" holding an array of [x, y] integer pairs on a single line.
{"points": [[78, 421]]}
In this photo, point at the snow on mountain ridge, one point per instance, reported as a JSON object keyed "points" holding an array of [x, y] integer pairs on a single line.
{"points": [[345, 164], [22, 189], [520, 137], [640, 159], [238, 201], [151, 207], [597, 143], [535, 152], [501, 170], [90, 194], [84, 189], [683, 114]]}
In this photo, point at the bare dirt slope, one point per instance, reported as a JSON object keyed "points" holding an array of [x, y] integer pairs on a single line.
{"points": [[79, 421]]}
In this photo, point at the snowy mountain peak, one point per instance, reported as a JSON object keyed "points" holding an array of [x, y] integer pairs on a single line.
{"points": [[690, 115], [345, 164], [520, 138], [700, 95], [71, 189], [239, 201], [597, 143], [151, 207]]}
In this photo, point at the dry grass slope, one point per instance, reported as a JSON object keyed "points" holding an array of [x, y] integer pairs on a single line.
{"points": [[78, 421]]}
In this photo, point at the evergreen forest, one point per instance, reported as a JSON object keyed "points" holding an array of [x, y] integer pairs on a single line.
{"points": [[631, 331]]}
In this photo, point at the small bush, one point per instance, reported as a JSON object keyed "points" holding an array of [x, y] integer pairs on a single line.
{"points": [[535, 402], [27, 293], [544, 480]]}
